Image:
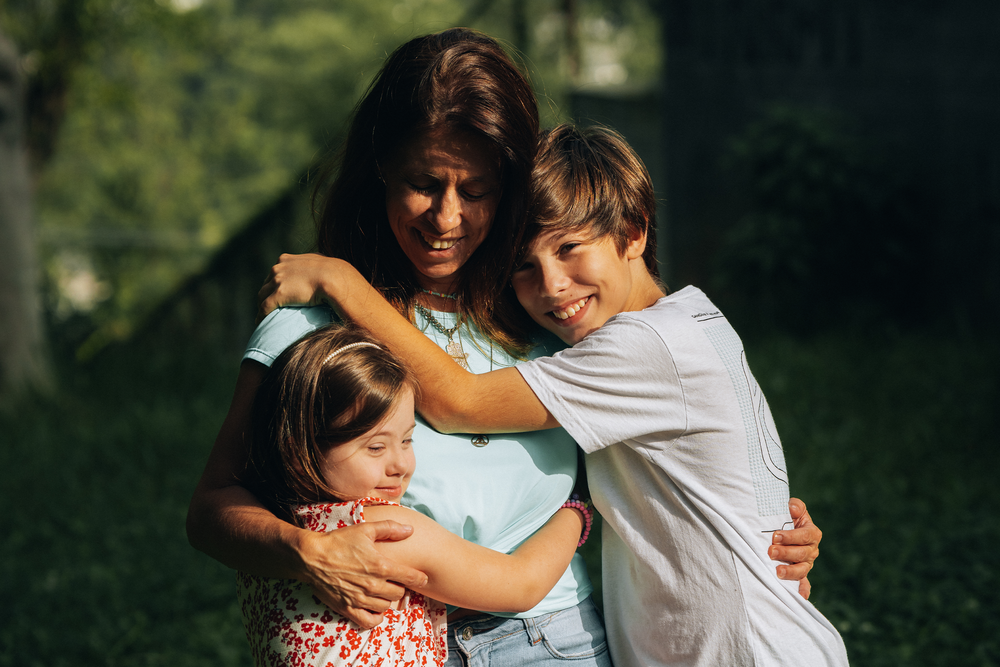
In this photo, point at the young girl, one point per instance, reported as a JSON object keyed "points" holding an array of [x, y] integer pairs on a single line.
{"points": [[331, 447]]}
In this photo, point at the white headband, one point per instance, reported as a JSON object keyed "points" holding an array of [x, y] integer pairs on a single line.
{"points": [[348, 347]]}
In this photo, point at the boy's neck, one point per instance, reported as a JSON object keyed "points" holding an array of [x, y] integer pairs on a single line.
{"points": [[645, 289]]}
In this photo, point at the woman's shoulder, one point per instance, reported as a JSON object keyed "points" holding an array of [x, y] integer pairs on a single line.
{"points": [[282, 327]]}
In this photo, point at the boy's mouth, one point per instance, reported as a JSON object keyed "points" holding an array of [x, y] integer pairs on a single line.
{"points": [[437, 244], [570, 310]]}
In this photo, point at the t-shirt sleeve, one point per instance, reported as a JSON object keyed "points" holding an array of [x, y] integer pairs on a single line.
{"points": [[618, 384], [281, 328]]}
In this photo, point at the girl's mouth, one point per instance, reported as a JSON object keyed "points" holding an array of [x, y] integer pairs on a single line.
{"points": [[570, 310]]}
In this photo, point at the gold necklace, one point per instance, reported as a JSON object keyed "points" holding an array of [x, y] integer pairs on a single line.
{"points": [[455, 351], [453, 348]]}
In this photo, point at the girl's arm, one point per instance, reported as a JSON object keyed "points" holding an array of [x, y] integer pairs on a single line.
{"points": [[467, 575], [452, 399], [229, 524]]}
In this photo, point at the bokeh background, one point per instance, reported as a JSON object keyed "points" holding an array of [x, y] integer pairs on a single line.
{"points": [[828, 172]]}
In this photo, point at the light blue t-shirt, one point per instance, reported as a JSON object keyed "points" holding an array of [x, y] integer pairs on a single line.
{"points": [[497, 495]]}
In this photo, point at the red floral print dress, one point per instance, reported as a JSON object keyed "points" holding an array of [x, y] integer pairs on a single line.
{"points": [[287, 626]]}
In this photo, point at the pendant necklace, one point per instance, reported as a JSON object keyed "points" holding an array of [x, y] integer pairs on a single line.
{"points": [[455, 351], [453, 348]]}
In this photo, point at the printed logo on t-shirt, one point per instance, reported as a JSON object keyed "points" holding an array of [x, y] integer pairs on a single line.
{"points": [[767, 460]]}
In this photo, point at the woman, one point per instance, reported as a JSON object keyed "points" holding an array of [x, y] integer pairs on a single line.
{"points": [[433, 182]]}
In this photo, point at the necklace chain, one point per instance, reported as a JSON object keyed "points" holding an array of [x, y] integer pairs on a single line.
{"points": [[437, 325], [454, 350]]}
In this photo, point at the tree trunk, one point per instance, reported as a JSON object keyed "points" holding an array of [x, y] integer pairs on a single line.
{"points": [[23, 353]]}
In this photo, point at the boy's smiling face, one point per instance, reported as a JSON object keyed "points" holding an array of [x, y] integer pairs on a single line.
{"points": [[572, 283]]}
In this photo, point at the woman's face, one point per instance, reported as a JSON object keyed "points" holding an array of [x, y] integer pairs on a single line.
{"points": [[442, 190]]}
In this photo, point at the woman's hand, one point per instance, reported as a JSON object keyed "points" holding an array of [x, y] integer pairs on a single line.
{"points": [[295, 280], [798, 548], [351, 577]]}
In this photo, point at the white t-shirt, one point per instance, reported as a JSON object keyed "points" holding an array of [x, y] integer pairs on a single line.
{"points": [[686, 468]]}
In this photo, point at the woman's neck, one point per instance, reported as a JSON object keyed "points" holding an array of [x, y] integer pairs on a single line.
{"points": [[437, 297]]}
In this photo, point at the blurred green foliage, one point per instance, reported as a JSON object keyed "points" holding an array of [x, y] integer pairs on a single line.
{"points": [[162, 126], [830, 227]]}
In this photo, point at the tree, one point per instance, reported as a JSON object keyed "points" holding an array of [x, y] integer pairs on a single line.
{"points": [[23, 361]]}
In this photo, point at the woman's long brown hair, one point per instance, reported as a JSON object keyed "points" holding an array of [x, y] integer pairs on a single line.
{"points": [[459, 80]]}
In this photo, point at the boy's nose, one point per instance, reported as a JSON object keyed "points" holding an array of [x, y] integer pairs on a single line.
{"points": [[552, 280]]}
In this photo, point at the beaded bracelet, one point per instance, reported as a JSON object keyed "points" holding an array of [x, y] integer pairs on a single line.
{"points": [[588, 516]]}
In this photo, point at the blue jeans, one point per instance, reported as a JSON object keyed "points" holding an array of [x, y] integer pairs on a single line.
{"points": [[575, 634]]}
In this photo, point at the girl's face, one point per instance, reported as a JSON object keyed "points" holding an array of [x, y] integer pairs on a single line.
{"points": [[378, 463], [441, 193]]}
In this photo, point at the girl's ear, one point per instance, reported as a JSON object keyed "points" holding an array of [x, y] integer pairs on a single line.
{"points": [[636, 243]]}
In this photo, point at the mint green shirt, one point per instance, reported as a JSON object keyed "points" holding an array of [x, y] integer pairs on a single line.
{"points": [[497, 495]]}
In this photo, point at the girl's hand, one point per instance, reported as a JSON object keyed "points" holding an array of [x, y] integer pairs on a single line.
{"points": [[351, 577], [295, 280], [798, 548]]}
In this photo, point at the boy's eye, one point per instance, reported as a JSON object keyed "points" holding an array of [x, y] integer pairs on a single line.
{"points": [[567, 247]]}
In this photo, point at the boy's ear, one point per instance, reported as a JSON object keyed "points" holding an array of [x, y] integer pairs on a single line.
{"points": [[636, 243]]}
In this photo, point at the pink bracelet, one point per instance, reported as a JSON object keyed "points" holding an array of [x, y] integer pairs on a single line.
{"points": [[588, 516]]}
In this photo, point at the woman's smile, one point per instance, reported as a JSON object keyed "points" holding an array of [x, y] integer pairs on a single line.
{"points": [[441, 194]]}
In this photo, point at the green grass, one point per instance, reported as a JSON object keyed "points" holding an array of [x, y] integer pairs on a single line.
{"points": [[892, 442]]}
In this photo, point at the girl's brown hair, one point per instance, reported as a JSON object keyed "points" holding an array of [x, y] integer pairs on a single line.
{"points": [[458, 80], [591, 179], [330, 387]]}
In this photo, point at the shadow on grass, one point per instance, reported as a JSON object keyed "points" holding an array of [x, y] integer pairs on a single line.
{"points": [[892, 442]]}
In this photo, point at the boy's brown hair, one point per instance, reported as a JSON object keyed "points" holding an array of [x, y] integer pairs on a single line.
{"points": [[591, 179], [330, 387]]}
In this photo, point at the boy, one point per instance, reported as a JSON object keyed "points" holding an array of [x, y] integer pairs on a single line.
{"points": [[683, 459]]}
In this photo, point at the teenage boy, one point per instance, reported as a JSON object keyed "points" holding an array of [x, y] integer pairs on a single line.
{"points": [[683, 459]]}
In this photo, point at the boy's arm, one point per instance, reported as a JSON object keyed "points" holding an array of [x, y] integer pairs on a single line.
{"points": [[467, 575], [452, 399], [229, 524]]}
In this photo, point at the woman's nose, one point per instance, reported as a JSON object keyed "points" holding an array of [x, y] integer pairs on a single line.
{"points": [[447, 211]]}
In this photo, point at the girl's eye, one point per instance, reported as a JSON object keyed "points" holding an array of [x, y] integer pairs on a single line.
{"points": [[376, 449], [567, 247], [523, 266]]}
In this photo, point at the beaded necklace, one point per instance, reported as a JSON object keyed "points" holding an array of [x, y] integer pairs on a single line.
{"points": [[453, 297]]}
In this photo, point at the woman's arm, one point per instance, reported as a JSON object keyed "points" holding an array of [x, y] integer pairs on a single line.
{"points": [[467, 575], [228, 523]]}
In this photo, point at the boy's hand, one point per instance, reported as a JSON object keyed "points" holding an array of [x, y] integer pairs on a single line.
{"points": [[798, 548], [294, 280], [351, 577]]}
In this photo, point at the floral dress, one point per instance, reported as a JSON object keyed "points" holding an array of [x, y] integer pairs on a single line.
{"points": [[288, 626]]}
